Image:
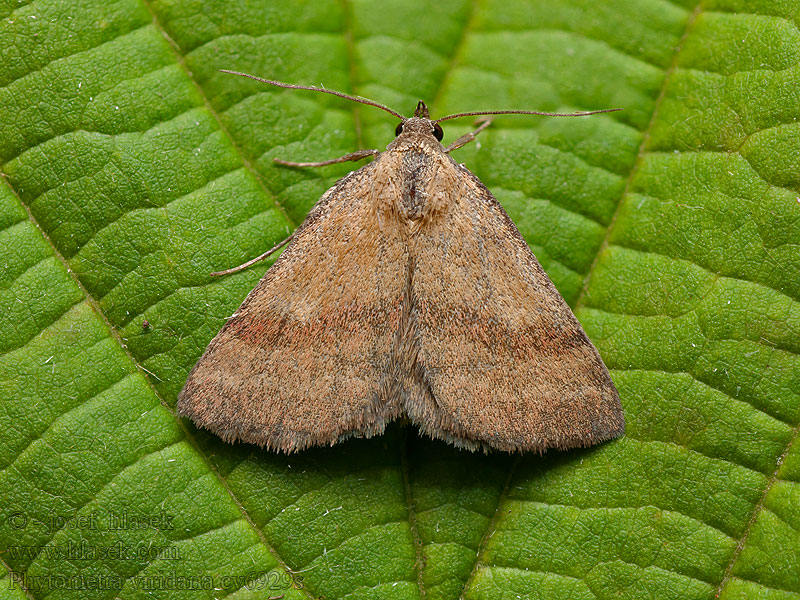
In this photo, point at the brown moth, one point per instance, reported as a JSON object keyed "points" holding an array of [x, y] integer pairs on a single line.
{"points": [[406, 292]]}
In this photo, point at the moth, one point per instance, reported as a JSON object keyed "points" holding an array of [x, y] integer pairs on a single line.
{"points": [[406, 292]]}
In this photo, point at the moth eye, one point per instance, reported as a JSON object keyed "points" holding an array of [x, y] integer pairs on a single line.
{"points": [[437, 132], [399, 129]]}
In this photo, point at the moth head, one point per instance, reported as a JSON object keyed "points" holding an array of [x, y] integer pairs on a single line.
{"points": [[420, 123], [433, 129]]}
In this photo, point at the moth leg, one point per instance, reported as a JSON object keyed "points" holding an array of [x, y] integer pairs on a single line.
{"points": [[253, 261], [357, 155], [468, 137]]}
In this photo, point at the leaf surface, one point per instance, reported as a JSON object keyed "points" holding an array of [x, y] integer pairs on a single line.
{"points": [[132, 168]]}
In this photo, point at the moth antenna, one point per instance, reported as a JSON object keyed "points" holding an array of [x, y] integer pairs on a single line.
{"points": [[293, 86], [526, 112]]}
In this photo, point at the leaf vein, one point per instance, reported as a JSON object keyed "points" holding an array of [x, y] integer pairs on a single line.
{"points": [[757, 509], [708, 385], [492, 527], [641, 152]]}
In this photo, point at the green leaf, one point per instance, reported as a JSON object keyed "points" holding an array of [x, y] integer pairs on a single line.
{"points": [[132, 168]]}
